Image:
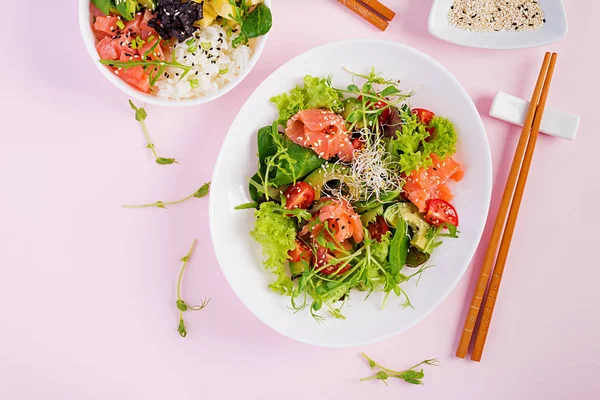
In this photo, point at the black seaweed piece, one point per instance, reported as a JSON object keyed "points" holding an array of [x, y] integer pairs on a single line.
{"points": [[175, 19]]}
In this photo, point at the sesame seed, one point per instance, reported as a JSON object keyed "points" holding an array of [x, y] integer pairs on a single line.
{"points": [[496, 15]]}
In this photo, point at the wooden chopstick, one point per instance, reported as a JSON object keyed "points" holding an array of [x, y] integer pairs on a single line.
{"points": [[490, 301], [380, 9], [492, 249], [366, 13]]}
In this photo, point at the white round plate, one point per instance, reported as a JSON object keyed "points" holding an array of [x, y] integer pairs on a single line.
{"points": [[240, 256]]}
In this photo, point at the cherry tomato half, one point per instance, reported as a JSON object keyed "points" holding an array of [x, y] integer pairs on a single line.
{"points": [[301, 195], [378, 228], [301, 252], [358, 143], [441, 212], [424, 115]]}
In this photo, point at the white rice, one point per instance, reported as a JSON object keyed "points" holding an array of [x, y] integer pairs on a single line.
{"points": [[212, 69]]}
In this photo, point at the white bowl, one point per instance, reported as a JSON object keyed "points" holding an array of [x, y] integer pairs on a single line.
{"points": [[85, 20], [553, 30], [240, 256]]}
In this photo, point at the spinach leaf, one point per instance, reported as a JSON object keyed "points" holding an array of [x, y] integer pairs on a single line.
{"points": [[254, 194], [286, 159], [103, 5], [266, 146], [399, 247], [258, 22], [306, 161]]}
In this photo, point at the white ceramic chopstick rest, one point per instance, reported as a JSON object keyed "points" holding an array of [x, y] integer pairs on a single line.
{"points": [[554, 123]]}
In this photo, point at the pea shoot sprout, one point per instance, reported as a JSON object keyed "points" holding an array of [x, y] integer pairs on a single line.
{"points": [[410, 375], [200, 193], [182, 306], [140, 116]]}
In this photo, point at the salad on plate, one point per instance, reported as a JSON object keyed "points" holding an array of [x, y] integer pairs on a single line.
{"points": [[351, 192], [178, 49]]}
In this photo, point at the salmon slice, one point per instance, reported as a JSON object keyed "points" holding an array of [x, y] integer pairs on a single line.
{"points": [[105, 26], [322, 131], [430, 183], [341, 218]]}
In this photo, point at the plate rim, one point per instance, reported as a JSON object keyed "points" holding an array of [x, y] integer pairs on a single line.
{"points": [[487, 191]]}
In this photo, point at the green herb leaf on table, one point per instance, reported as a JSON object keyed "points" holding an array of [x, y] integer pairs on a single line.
{"points": [[140, 116], [182, 306], [411, 375], [202, 192]]}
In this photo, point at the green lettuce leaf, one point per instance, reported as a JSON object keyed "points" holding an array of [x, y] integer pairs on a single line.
{"points": [[315, 93], [276, 233], [409, 149], [371, 215], [406, 147], [443, 141], [380, 250]]}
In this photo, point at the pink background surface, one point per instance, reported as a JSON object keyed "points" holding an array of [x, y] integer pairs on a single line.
{"points": [[87, 288]]}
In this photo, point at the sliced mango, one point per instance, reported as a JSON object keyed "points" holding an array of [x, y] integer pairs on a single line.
{"points": [[209, 16], [222, 8]]}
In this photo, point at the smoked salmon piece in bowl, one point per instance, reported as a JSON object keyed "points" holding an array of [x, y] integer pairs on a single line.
{"points": [[301, 187]]}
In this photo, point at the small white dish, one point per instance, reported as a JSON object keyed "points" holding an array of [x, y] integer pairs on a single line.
{"points": [[553, 30], [240, 256], [85, 25]]}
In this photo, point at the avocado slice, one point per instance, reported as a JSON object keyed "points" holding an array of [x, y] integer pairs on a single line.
{"points": [[297, 268], [353, 107], [409, 213], [331, 172]]}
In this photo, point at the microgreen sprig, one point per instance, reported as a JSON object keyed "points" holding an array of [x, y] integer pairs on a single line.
{"points": [[410, 375], [200, 193], [182, 306], [367, 272], [140, 116], [390, 96], [153, 67]]}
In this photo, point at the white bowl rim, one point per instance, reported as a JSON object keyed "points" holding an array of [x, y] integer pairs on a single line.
{"points": [[89, 41], [486, 193]]}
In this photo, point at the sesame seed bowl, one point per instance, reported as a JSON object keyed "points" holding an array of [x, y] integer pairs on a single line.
{"points": [[494, 24], [187, 77]]}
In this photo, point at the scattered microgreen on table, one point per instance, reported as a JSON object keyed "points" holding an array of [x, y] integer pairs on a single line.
{"points": [[182, 306], [140, 116], [200, 193], [410, 375]]}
